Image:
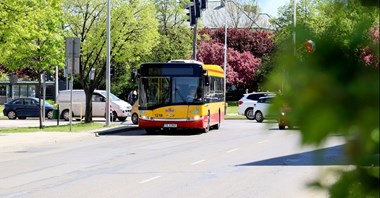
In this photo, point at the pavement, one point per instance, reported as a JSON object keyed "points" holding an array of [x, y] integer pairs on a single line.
{"points": [[11, 142]]}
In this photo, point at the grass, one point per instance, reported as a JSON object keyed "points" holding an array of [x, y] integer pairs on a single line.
{"points": [[232, 110], [80, 127], [1, 111]]}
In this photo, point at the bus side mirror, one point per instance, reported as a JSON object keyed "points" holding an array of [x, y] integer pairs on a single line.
{"points": [[207, 80]]}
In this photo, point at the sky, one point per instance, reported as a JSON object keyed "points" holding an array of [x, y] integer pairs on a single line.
{"points": [[270, 6]]}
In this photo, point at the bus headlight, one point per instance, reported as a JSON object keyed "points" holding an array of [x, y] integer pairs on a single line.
{"points": [[146, 118]]}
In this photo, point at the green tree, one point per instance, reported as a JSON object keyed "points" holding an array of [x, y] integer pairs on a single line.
{"points": [[133, 35], [175, 41], [31, 36], [332, 90]]}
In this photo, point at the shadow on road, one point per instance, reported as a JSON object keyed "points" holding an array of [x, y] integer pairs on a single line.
{"points": [[135, 131], [330, 156]]}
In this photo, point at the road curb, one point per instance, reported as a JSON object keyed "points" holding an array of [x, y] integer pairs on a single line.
{"points": [[115, 130]]}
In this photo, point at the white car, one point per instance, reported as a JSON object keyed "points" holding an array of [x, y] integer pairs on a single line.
{"points": [[247, 102], [262, 108]]}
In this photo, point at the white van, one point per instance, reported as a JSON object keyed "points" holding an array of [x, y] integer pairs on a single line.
{"points": [[120, 109]]}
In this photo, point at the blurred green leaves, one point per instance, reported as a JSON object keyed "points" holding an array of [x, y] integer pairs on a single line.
{"points": [[332, 91]]}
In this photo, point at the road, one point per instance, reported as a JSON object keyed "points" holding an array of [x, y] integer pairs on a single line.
{"points": [[34, 122], [242, 159]]}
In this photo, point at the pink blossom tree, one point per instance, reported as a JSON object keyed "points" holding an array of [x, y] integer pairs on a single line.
{"points": [[240, 67]]}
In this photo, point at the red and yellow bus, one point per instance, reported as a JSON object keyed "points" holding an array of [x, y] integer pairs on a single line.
{"points": [[181, 95]]}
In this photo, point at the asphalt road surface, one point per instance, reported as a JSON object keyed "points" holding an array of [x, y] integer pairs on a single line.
{"points": [[242, 159]]}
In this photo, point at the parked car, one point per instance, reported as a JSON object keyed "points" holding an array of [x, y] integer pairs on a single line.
{"points": [[120, 109], [22, 108], [247, 102], [262, 109], [135, 113]]}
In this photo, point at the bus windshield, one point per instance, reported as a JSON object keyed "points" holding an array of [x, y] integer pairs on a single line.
{"points": [[160, 91]]}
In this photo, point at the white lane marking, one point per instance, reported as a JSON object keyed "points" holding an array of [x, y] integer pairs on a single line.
{"points": [[197, 162], [150, 179], [263, 141], [232, 150]]}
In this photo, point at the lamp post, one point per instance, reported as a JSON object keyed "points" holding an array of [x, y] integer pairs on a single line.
{"points": [[294, 25], [108, 78], [225, 51], [223, 4]]}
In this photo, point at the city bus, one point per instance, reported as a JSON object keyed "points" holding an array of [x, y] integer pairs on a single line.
{"points": [[180, 95]]}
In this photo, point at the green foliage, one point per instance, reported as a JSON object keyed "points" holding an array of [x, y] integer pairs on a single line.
{"points": [[31, 34], [175, 41], [133, 35], [332, 90]]}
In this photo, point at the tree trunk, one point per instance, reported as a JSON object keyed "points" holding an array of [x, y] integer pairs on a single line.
{"points": [[39, 99], [88, 113]]}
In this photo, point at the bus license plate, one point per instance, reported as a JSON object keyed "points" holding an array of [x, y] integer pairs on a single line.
{"points": [[170, 125]]}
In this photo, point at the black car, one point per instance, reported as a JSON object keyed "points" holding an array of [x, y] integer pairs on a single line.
{"points": [[22, 108]]}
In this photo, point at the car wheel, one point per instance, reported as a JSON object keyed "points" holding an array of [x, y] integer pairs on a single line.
{"points": [[281, 127], [259, 116], [135, 118], [249, 114], [11, 115], [49, 114], [65, 115]]}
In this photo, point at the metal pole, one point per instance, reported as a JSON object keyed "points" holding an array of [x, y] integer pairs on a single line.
{"points": [[43, 95], [108, 79], [56, 83], [294, 25], [225, 51], [71, 73], [195, 40]]}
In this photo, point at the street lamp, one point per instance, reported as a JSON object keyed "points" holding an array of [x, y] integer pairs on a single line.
{"points": [[223, 4], [108, 78]]}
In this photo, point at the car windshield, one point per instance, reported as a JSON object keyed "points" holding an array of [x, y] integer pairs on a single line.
{"points": [[113, 97]]}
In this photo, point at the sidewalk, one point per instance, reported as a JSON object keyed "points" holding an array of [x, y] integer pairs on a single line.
{"points": [[17, 142]]}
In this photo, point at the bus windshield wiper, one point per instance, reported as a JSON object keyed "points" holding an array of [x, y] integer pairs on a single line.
{"points": [[180, 94]]}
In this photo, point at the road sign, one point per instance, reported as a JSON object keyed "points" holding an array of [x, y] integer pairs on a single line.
{"points": [[72, 55], [72, 47]]}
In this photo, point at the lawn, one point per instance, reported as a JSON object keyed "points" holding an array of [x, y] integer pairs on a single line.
{"points": [[232, 111], [1, 111]]}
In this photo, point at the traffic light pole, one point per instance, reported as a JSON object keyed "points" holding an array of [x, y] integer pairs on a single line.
{"points": [[195, 40]]}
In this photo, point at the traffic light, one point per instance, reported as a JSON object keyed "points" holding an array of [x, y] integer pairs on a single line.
{"points": [[112, 71], [203, 4], [197, 5], [192, 19]]}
